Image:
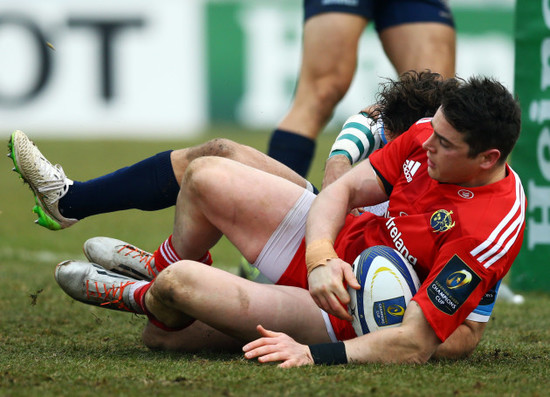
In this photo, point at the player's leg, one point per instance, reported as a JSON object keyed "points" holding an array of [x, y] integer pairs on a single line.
{"points": [[188, 290], [150, 184], [153, 183], [417, 35], [226, 148], [60, 202], [220, 196], [421, 46], [180, 160], [328, 65], [230, 304]]}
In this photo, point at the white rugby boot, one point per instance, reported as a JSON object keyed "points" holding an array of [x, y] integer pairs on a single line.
{"points": [[48, 182], [90, 283], [121, 257]]}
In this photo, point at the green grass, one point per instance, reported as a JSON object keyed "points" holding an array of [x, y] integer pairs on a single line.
{"points": [[51, 345]]}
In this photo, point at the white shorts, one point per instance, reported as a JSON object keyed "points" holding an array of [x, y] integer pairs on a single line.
{"points": [[283, 244], [285, 240]]}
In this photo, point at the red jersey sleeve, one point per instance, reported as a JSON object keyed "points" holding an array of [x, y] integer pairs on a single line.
{"points": [[388, 160], [457, 282]]}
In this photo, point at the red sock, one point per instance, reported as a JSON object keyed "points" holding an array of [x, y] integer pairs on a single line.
{"points": [[139, 297], [165, 255], [207, 259]]}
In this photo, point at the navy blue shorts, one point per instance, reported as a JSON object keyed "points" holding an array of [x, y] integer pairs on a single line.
{"points": [[385, 13]]}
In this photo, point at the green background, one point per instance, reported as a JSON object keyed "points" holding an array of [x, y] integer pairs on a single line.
{"points": [[531, 270]]}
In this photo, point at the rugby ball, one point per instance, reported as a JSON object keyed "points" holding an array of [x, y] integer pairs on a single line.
{"points": [[388, 282]]}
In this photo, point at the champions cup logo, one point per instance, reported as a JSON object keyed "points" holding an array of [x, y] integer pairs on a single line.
{"points": [[459, 279], [396, 310], [441, 221]]}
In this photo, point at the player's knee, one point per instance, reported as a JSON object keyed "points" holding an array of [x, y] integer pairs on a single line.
{"points": [[219, 147], [162, 289], [199, 175], [328, 93], [175, 284]]}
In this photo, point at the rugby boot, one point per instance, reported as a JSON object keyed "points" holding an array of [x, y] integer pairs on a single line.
{"points": [[48, 182], [90, 283], [121, 257]]}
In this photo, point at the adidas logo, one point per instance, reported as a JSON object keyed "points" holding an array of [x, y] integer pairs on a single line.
{"points": [[409, 168]]}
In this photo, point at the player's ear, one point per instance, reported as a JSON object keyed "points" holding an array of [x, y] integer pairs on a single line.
{"points": [[489, 158]]}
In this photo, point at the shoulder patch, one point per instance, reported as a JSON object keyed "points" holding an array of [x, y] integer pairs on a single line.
{"points": [[452, 286]]}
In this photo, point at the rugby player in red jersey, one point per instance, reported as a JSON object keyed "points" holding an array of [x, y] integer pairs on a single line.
{"points": [[439, 177]]}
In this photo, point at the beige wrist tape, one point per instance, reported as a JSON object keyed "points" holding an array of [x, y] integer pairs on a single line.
{"points": [[318, 252]]}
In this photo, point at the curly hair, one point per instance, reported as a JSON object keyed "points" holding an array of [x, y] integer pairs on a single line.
{"points": [[402, 102], [486, 113]]}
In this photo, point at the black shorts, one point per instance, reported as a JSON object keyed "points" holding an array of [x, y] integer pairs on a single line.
{"points": [[385, 13]]}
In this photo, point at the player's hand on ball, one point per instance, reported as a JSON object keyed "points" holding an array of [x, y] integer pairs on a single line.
{"points": [[326, 286], [278, 347]]}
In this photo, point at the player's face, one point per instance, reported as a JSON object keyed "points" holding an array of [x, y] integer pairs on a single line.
{"points": [[448, 160]]}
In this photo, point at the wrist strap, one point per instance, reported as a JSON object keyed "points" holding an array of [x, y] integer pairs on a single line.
{"points": [[318, 252], [329, 353]]}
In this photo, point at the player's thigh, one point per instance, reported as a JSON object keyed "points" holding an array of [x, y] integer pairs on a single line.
{"points": [[254, 158], [330, 47], [222, 147], [235, 306], [244, 203], [419, 46], [329, 59]]}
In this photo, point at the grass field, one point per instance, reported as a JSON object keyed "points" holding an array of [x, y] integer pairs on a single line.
{"points": [[51, 345]]}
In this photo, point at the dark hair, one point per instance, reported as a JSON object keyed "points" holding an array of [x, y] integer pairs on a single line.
{"points": [[402, 102], [486, 113]]}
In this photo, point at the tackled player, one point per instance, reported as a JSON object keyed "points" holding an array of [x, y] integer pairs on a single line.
{"points": [[462, 154]]}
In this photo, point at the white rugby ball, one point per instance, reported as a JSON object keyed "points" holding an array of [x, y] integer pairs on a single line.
{"points": [[388, 282]]}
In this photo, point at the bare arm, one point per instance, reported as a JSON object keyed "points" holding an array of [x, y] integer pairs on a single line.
{"points": [[462, 341], [358, 187], [413, 342], [335, 167]]}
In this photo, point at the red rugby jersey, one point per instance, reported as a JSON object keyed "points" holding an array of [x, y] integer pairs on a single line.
{"points": [[461, 241]]}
